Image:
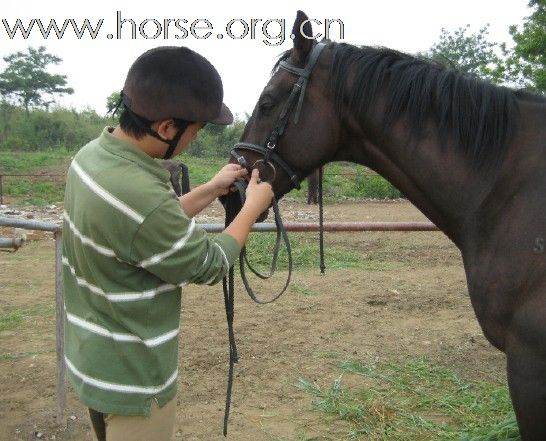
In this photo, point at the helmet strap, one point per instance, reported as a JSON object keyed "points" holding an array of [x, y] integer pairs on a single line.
{"points": [[145, 125], [174, 142]]}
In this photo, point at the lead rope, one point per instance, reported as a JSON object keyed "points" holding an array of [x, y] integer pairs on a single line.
{"points": [[232, 207], [321, 223], [232, 204]]}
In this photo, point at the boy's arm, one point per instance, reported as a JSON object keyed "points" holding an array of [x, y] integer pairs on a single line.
{"points": [[200, 197]]}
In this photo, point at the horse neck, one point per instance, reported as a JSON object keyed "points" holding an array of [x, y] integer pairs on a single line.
{"points": [[436, 178]]}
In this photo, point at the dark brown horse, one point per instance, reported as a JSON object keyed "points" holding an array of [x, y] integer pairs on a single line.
{"points": [[470, 155]]}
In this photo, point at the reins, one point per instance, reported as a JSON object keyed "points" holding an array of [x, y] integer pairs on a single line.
{"points": [[235, 200], [232, 204]]}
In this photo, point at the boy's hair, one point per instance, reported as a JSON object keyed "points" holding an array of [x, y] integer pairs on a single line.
{"points": [[136, 126]]}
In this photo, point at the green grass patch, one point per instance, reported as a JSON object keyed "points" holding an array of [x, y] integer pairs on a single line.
{"points": [[415, 400], [18, 355], [342, 181], [305, 253], [201, 169], [303, 289], [34, 192], [12, 316], [32, 162]]}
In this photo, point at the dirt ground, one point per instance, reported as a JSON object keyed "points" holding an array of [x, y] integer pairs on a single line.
{"points": [[410, 300]]}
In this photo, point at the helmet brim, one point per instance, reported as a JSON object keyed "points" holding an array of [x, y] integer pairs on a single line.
{"points": [[224, 118]]}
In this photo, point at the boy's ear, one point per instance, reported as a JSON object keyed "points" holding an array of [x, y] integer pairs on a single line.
{"points": [[164, 128]]}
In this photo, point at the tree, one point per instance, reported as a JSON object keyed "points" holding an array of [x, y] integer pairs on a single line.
{"points": [[112, 104], [530, 48], [471, 53], [27, 81]]}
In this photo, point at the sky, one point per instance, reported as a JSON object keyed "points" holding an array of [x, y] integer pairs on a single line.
{"points": [[241, 39]]}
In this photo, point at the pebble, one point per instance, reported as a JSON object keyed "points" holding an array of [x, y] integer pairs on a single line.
{"points": [[50, 213]]}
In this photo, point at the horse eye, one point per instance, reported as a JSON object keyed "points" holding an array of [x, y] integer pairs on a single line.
{"points": [[266, 106]]}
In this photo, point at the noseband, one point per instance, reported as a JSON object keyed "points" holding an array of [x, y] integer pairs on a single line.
{"points": [[270, 157]]}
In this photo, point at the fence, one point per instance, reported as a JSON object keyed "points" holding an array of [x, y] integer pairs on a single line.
{"points": [[211, 228], [59, 296]]}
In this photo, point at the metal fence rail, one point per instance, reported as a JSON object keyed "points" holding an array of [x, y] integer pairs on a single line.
{"points": [[209, 227], [59, 298]]}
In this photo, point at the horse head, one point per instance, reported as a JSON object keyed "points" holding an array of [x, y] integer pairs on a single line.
{"points": [[294, 128]]}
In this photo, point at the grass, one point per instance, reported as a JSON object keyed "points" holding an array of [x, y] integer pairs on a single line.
{"points": [[303, 289], [12, 316], [27, 162], [415, 400], [305, 253], [342, 181]]}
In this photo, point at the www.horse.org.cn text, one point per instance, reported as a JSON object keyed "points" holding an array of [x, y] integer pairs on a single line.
{"points": [[270, 31]]}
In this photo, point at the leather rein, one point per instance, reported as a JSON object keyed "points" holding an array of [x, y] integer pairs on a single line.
{"points": [[234, 201]]}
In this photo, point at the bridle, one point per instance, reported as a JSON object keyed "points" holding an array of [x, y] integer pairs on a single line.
{"points": [[270, 157], [234, 202]]}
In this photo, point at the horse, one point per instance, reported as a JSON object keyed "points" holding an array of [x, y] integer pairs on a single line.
{"points": [[470, 155], [180, 178]]}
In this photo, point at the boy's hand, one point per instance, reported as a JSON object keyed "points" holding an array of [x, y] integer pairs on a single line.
{"points": [[258, 194], [225, 178]]}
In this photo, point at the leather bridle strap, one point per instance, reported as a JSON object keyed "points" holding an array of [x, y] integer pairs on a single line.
{"points": [[233, 203], [296, 95], [303, 74], [272, 156]]}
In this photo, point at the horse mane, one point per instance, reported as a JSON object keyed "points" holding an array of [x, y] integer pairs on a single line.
{"points": [[471, 113], [474, 114]]}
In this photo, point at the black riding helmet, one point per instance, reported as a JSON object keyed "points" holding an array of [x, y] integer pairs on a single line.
{"points": [[174, 82]]}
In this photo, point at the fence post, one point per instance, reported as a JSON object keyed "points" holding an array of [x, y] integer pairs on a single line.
{"points": [[1, 191], [59, 320]]}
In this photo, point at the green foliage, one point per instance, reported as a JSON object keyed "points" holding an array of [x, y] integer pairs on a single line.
{"points": [[345, 180], [524, 65], [471, 53], [530, 49], [27, 82], [413, 399], [42, 130], [112, 102], [216, 141]]}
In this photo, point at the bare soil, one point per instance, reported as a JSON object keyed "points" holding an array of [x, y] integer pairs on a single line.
{"points": [[412, 301]]}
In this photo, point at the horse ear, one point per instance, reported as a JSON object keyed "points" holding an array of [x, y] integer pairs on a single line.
{"points": [[302, 43]]}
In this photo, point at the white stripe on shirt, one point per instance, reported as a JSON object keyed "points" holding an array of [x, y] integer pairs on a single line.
{"points": [[105, 195], [178, 245], [116, 387], [128, 338], [223, 255], [86, 240], [120, 296]]}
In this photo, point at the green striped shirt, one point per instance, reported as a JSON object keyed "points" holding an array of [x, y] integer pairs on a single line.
{"points": [[128, 248]]}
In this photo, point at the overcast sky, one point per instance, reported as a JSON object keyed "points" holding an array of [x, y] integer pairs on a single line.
{"points": [[97, 67]]}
